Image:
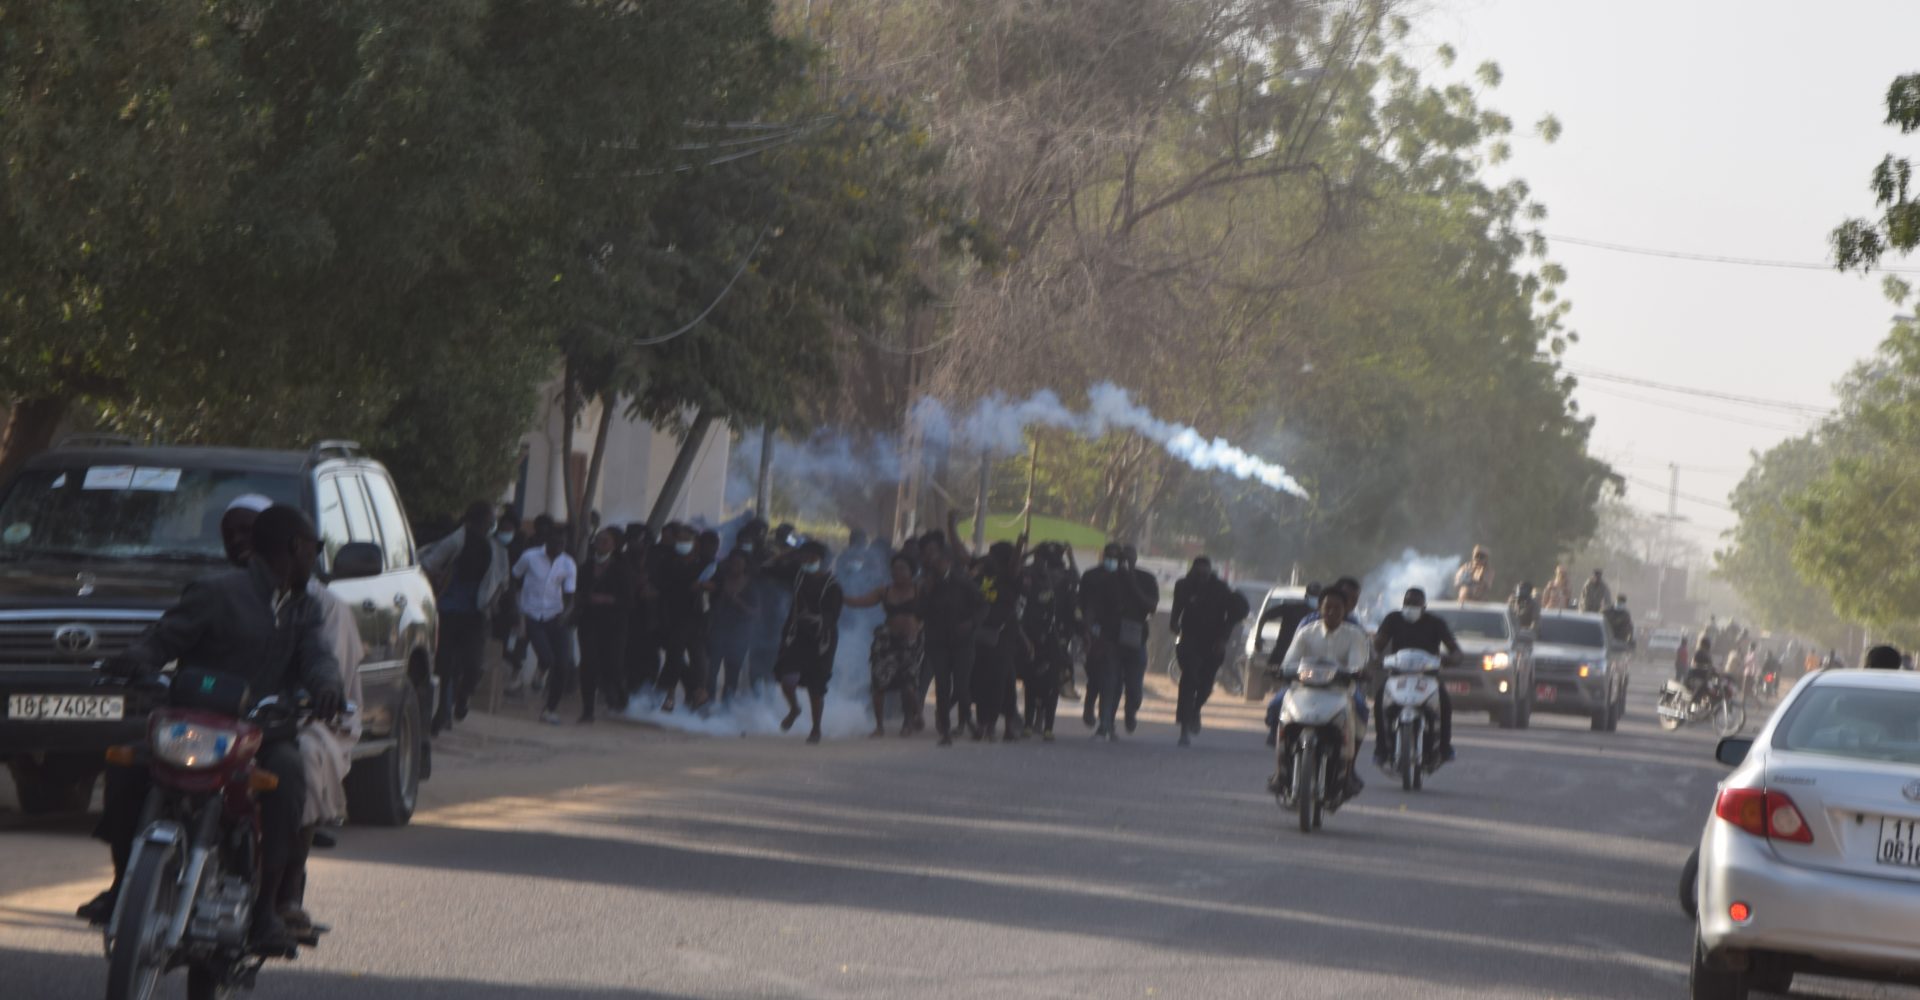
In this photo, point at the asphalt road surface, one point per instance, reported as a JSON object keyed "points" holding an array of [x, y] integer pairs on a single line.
{"points": [[622, 861]]}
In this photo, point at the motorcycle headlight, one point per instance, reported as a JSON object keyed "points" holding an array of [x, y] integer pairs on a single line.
{"points": [[191, 745], [1496, 661]]}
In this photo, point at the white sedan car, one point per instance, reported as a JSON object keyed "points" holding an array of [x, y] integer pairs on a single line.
{"points": [[1811, 862]]}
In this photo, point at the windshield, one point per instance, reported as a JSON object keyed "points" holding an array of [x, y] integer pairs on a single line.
{"points": [[1855, 723], [1471, 624], [1572, 632], [127, 512]]}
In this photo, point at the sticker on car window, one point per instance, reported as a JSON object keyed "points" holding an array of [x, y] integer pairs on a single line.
{"points": [[16, 533], [157, 480], [128, 477]]}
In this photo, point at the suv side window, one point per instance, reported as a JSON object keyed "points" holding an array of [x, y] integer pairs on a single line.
{"points": [[393, 525], [359, 514], [333, 518]]}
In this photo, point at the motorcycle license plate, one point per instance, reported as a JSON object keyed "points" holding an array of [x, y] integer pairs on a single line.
{"points": [[66, 707], [1667, 712], [1459, 687], [1545, 692], [1899, 842]]}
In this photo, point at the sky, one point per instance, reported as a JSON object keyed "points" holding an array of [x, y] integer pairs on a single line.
{"points": [[1740, 128]]}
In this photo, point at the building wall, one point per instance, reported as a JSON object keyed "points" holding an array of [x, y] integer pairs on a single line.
{"points": [[637, 461]]}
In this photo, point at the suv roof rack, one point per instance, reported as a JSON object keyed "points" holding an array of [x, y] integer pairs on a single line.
{"points": [[95, 441], [336, 449]]}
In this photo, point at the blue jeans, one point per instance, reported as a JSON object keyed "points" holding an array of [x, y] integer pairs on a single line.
{"points": [[553, 646]]}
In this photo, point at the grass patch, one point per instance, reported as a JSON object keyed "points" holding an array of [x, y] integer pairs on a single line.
{"points": [[1006, 528]]}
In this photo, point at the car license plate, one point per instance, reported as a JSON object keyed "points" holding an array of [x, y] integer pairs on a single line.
{"points": [[1458, 687], [1899, 842], [1545, 692], [66, 707]]}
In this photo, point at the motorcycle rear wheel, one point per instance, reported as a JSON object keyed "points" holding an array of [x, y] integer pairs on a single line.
{"points": [[148, 893], [1729, 718]]}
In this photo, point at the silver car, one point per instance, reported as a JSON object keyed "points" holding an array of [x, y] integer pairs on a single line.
{"points": [[1811, 861]]}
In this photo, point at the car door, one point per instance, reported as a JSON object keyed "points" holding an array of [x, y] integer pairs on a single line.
{"points": [[344, 505], [411, 592]]}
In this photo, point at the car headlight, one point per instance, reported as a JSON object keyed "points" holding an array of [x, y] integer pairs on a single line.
{"points": [[191, 745], [1496, 661]]}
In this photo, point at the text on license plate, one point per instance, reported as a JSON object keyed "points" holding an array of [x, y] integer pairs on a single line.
{"points": [[66, 707], [1545, 692], [1458, 687], [1899, 842]]}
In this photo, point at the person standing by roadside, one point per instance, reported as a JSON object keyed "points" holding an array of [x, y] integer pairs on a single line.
{"points": [[735, 610], [899, 644], [548, 579], [1559, 593], [953, 609], [606, 606], [1205, 611], [812, 633], [469, 570]]}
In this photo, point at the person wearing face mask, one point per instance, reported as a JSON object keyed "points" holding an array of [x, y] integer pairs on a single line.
{"points": [[951, 610], [1116, 598], [811, 636], [469, 571], [605, 597], [1412, 627], [1205, 611]]}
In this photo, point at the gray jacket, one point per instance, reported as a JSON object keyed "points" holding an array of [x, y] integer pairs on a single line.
{"points": [[439, 558], [228, 623]]}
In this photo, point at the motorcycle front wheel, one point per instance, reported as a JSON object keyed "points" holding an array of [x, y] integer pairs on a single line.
{"points": [[1404, 759], [1729, 718], [1306, 797], [147, 897]]}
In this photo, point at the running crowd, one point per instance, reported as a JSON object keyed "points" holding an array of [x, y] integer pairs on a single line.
{"points": [[676, 624]]}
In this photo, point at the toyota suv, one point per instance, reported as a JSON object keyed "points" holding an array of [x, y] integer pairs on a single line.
{"points": [[1580, 668], [1496, 674], [97, 538]]}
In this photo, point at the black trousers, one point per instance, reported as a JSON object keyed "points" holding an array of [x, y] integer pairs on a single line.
{"points": [[126, 799], [463, 643], [1050, 663], [1383, 727], [950, 667], [642, 657], [1199, 665], [603, 657], [992, 679]]}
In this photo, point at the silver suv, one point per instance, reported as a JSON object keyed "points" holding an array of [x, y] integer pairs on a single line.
{"points": [[1580, 668]]}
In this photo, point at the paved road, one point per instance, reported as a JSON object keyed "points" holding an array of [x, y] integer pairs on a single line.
{"points": [[624, 861]]}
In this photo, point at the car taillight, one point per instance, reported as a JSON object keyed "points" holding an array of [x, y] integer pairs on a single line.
{"points": [[1763, 813]]}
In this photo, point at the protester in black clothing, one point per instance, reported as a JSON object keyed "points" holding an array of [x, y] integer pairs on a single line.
{"points": [[605, 599], [1703, 672], [995, 640], [1051, 622], [469, 572], [1412, 628], [1116, 599], [677, 605], [1205, 611], [733, 611], [953, 608], [899, 645], [641, 662], [812, 632]]}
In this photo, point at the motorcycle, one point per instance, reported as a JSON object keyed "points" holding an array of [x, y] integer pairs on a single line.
{"points": [[1413, 697], [192, 881], [1770, 685], [1315, 730], [1720, 702]]}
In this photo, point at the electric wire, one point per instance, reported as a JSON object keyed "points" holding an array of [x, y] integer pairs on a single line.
{"points": [[1709, 258], [1797, 409]]}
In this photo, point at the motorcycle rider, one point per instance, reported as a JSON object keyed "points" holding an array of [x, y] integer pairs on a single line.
{"points": [[257, 624], [1699, 679], [1331, 636], [1412, 628]]}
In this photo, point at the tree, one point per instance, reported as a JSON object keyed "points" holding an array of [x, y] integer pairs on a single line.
{"points": [[1758, 560], [1860, 243]]}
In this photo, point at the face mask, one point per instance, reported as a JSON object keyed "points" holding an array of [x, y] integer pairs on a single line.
{"points": [[746, 546], [1411, 613], [503, 537], [1111, 564], [683, 548], [812, 567]]}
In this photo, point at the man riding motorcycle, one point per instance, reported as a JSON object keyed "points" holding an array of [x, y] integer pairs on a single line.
{"points": [[1331, 636], [1412, 628], [259, 625]]}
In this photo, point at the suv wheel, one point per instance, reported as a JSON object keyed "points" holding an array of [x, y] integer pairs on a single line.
{"points": [[1507, 716], [1523, 709], [384, 790], [55, 783]]}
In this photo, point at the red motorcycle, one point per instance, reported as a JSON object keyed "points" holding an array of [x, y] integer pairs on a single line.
{"points": [[192, 882]]}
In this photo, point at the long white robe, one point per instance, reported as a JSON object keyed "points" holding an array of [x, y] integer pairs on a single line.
{"points": [[327, 750]]}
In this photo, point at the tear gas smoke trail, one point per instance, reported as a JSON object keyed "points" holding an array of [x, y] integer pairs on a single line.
{"points": [[998, 424], [1430, 573]]}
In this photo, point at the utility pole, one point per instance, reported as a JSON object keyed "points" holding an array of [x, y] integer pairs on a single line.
{"points": [[1666, 537]]}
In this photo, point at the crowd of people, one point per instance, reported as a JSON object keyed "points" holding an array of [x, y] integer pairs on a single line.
{"points": [[689, 621]]}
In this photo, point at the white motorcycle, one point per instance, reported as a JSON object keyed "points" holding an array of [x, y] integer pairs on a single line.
{"points": [[1412, 704], [1316, 736]]}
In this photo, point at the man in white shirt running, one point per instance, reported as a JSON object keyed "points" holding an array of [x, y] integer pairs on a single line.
{"points": [[547, 578], [1332, 636]]}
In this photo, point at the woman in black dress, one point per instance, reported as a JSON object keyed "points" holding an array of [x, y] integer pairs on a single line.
{"points": [[811, 635]]}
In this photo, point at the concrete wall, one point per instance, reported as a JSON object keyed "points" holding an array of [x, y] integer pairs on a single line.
{"points": [[636, 464]]}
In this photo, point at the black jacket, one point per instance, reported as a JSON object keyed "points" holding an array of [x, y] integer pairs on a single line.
{"points": [[227, 623], [1205, 610]]}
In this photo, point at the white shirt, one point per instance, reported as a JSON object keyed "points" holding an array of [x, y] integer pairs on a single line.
{"points": [[1346, 645], [545, 583]]}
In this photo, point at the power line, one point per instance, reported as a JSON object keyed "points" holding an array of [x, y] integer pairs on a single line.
{"points": [[1709, 258], [1798, 409], [1664, 491], [1735, 418]]}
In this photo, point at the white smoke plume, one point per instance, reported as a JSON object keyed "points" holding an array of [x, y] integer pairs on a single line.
{"points": [[998, 423], [1412, 569]]}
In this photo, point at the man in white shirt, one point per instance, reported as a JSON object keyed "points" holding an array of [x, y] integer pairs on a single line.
{"points": [[547, 577], [1332, 636]]}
